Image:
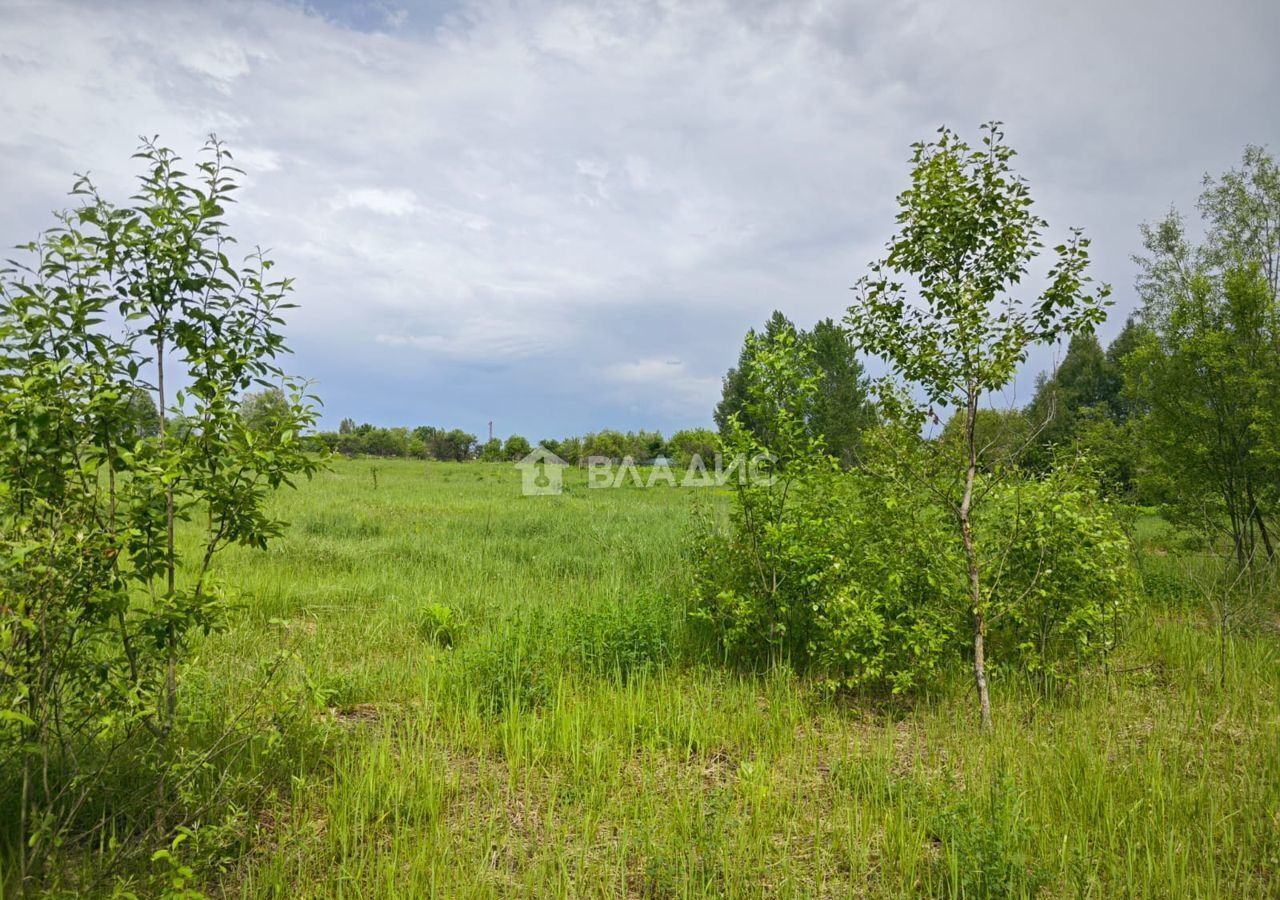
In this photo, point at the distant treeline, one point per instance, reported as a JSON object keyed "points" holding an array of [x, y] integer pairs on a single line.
{"points": [[1081, 407], [456, 445]]}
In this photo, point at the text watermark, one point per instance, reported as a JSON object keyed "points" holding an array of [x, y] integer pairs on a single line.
{"points": [[542, 472]]}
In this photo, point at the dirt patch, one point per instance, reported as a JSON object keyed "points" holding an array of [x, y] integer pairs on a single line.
{"points": [[356, 714]]}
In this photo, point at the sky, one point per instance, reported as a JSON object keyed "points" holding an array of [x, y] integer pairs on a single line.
{"points": [[561, 217]]}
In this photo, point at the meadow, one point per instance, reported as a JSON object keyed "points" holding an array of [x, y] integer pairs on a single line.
{"points": [[507, 699]]}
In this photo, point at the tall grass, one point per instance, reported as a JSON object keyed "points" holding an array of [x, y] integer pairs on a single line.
{"points": [[513, 711]]}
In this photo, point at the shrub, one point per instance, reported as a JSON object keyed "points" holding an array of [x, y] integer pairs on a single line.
{"points": [[516, 448], [849, 581], [96, 620], [829, 571], [1060, 574], [859, 581]]}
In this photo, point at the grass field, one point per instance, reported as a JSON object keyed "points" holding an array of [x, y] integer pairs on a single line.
{"points": [[515, 710]]}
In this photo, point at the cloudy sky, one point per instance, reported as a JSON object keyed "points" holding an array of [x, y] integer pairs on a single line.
{"points": [[563, 216]]}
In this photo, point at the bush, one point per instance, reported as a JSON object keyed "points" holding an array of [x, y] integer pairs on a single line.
{"points": [[516, 448], [832, 572], [847, 580], [1060, 574], [858, 581]]}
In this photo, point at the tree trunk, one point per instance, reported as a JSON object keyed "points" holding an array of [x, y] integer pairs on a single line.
{"points": [[1256, 513], [1266, 537], [971, 559], [979, 628], [171, 675]]}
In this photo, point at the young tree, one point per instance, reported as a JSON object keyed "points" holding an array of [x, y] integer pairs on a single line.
{"points": [[1083, 408], [141, 411], [1124, 407], [1085, 387], [570, 450], [605, 444], [1206, 374], [967, 236], [94, 619], [1241, 210], [737, 385], [455, 445], [839, 409], [1002, 436]]}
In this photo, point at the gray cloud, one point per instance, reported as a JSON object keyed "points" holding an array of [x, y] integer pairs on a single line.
{"points": [[564, 216]]}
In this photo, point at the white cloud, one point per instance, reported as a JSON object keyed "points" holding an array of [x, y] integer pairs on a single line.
{"points": [[221, 62], [400, 202], [668, 384]]}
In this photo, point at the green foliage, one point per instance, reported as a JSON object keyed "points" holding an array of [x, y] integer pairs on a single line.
{"points": [[423, 442], [967, 235], [701, 442], [1060, 579], [1205, 368], [699, 780], [1086, 384], [837, 411], [1001, 436], [141, 413], [266, 411], [507, 675], [738, 381], [516, 448], [179, 874], [880, 613], [855, 580], [441, 624], [94, 620], [983, 842], [615, 446], [445, 445], [624, 639], [825, 570], [1241, 210], [1083, 409]]}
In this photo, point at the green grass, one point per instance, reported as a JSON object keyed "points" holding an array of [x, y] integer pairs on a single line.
{"points": [[516, 711]]}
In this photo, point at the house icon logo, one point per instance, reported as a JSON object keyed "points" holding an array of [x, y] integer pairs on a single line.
{"points": [[541, 472]]}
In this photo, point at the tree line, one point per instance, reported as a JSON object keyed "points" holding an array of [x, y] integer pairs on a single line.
{"points": [[456, 445]]}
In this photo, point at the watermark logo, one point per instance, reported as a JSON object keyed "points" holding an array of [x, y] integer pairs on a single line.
{"points": [[542, 472]]}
